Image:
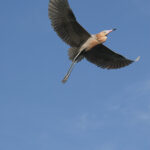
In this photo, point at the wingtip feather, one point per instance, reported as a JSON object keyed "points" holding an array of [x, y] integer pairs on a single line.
{"points": [[137, 59]]}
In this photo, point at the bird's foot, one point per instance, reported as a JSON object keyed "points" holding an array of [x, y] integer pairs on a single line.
{"points": [[65, 79]]}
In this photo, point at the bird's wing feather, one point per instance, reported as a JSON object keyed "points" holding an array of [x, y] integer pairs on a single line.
{"points": [[65, 24], [103, 57]]}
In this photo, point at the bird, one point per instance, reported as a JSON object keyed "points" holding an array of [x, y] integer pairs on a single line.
{"points": [[82, 43]]}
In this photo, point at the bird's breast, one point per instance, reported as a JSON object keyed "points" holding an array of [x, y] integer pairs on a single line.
{"points": [[89, 44]]}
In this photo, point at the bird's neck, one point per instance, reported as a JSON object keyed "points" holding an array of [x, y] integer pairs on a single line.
{"points": [[101, 38], [93, 41]]}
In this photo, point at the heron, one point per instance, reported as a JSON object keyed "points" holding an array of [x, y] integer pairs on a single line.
{"points": [[82, 43]]}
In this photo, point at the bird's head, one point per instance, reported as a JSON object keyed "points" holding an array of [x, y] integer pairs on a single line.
{"points": [[102, 36]]}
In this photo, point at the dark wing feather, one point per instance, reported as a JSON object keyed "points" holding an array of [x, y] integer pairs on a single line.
{"points": [[103, 57], [65, 24]]}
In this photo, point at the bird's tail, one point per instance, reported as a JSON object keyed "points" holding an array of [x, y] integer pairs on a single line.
{"points": [[75, 60], [73, 52]]}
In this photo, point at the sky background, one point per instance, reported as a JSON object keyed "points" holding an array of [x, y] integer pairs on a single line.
{"points": [[96, 109]]}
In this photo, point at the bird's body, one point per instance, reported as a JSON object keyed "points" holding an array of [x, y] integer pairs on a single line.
{"points": [[83, 44]]}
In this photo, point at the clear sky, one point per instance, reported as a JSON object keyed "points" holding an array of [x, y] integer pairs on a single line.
{"points": [[96, 109]]}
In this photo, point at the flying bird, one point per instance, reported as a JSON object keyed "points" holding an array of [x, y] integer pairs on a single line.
{"points": [[83, 44]]}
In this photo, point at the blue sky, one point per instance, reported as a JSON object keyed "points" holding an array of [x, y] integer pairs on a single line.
{"points": [[96, 109]]}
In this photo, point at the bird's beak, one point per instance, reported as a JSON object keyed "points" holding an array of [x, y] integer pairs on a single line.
{"points": [[114, 29], [109, 31]]}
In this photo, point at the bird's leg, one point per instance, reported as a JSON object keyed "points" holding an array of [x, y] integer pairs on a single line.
{"points": [[71, 67], [69, 72]]}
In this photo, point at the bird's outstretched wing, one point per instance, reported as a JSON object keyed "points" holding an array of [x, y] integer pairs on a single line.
{"points": [[65, 24], [103, 57]]}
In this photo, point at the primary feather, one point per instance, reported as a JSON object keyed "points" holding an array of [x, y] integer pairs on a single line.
{"points": [[103, 57], [65, 23]]}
